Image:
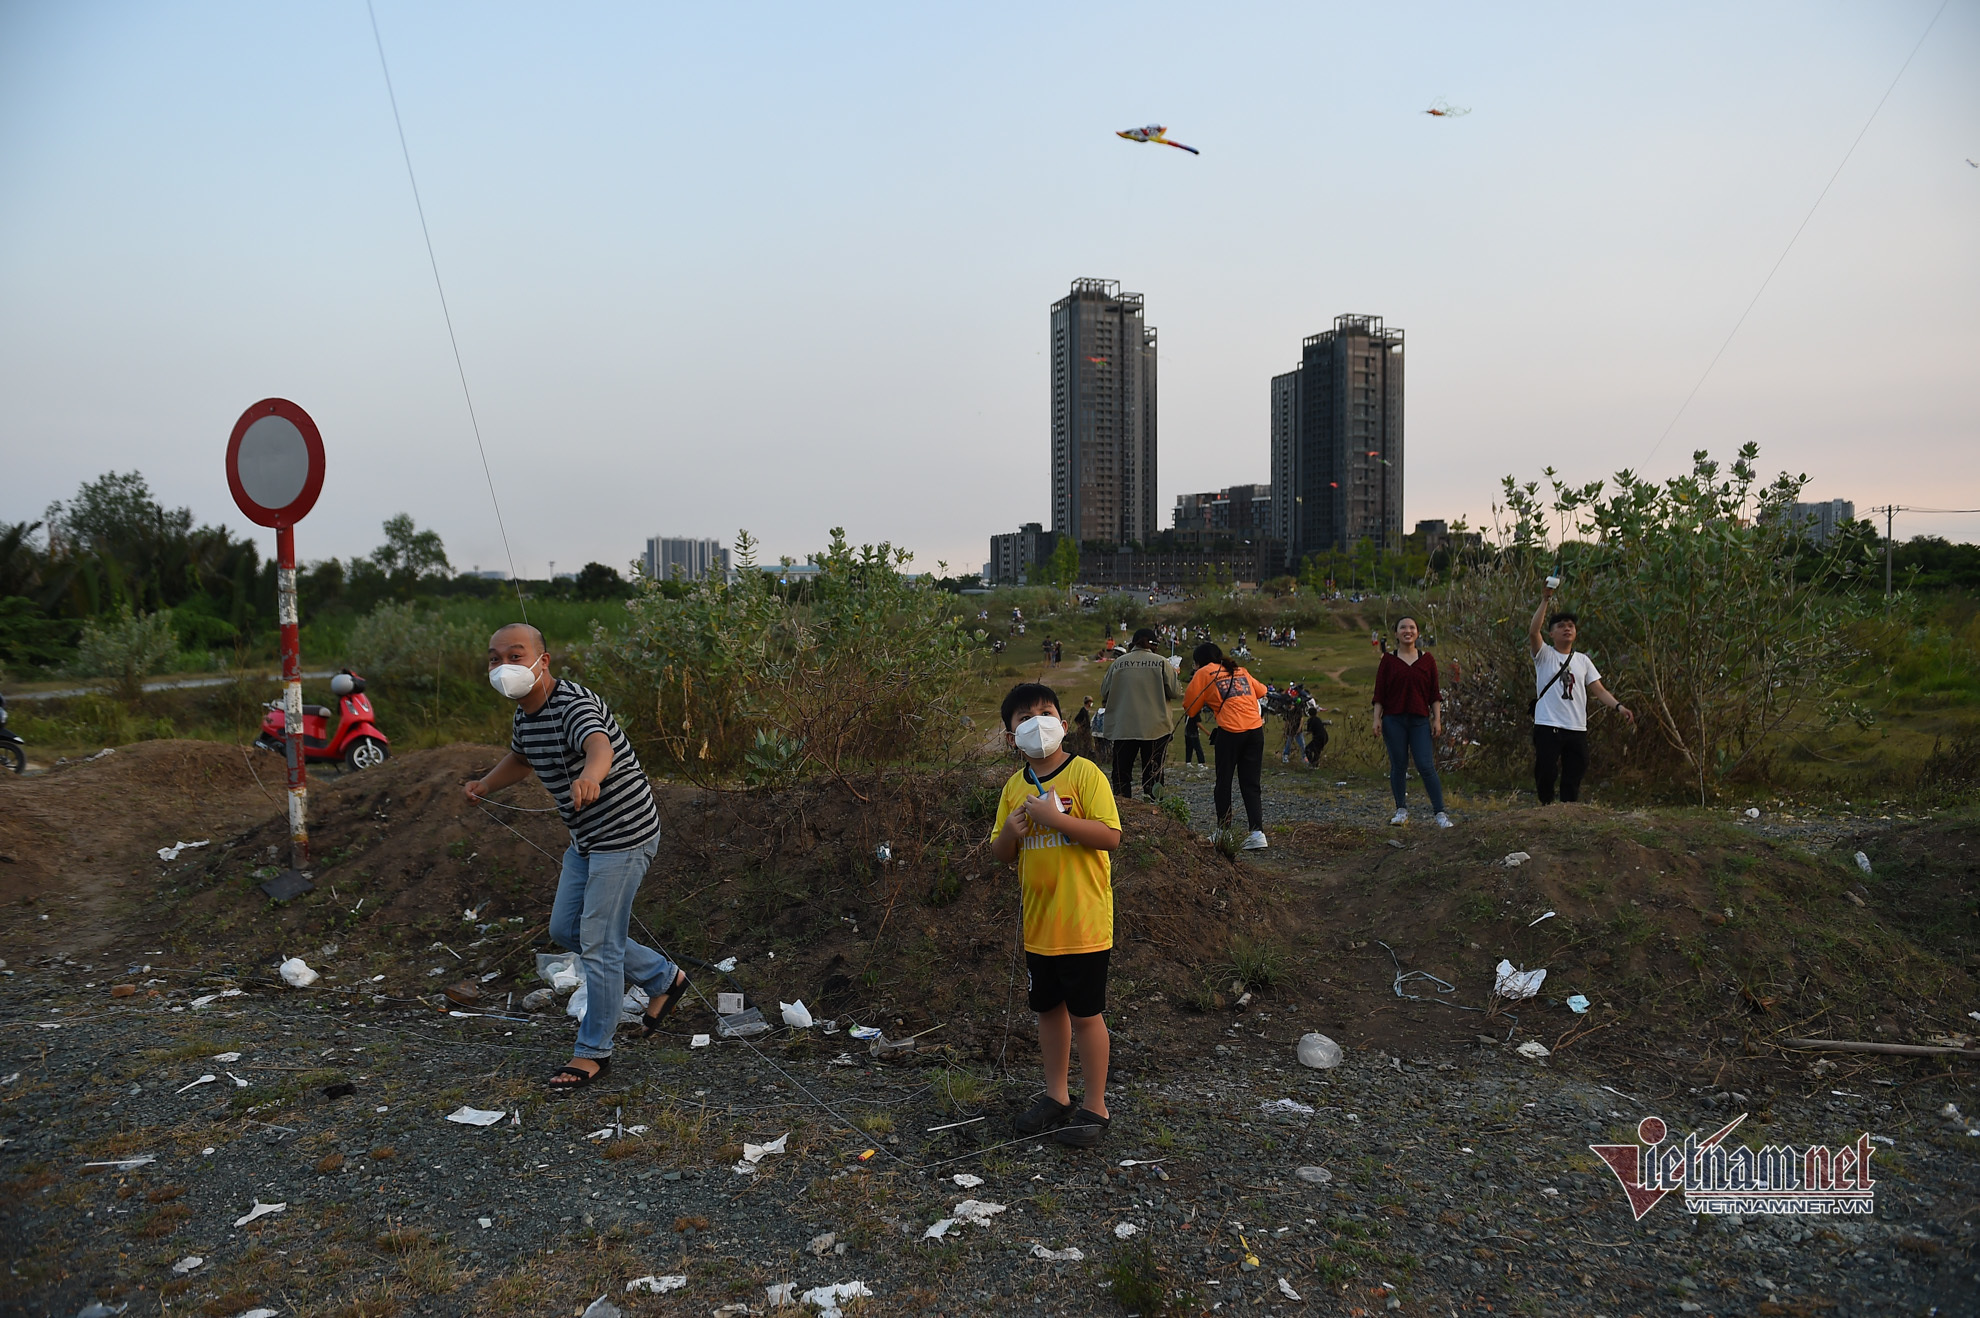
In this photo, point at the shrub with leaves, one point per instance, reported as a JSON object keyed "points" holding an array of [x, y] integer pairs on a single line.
{"points": [[127, 648], [730, 678], [1701, 600], [408, 648]]}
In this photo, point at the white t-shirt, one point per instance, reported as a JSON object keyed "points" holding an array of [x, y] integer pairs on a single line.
{"points": [[1565, 705]]}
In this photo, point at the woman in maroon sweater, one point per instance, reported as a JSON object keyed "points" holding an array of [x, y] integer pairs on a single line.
{"points": [[1409, 711]]}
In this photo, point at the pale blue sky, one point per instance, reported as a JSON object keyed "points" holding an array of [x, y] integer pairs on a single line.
{"points": [[789, 267]]}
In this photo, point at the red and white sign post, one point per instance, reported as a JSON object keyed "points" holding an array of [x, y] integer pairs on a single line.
{"points": [[275, 470]]}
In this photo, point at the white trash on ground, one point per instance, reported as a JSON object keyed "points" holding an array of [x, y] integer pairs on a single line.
{"points": [[259, 1210], [1516, 859], [976, 1212], [1070, 1254], [727, 965], [827, 1298], [1286, 1107], [1752, 812], [1122, 1230], [1314, 1175], [728, 1004], [1319, 1052], [1548, 916], [741, 1025], [1516, 984], [699, 1041], [1577, 1003], [1285, 1289], [939, 1229], [1863, 862], [122, 1164], [172, 852], [476, 1116], [967, 1180], [226, 1057], [297, 974], [203, 1080], [782, 1295], [189, 1263], [821, 1245], [559, 970], [211, 998], [1533, 1050], [755, 1153], [657, 1285], [796, 1014], [603, 1308]]}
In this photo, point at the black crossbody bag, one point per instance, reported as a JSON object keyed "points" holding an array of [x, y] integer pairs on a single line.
{"points": [[1534, 703]]}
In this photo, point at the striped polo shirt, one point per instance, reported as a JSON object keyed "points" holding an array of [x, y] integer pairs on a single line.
{"points": [[552, 740]]}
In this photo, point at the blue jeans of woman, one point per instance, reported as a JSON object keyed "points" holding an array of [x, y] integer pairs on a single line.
{"points": [[1407, 735], [593, 907]]}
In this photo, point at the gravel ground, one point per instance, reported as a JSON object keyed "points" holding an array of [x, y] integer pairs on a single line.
{"points": [[1456, 1183]]}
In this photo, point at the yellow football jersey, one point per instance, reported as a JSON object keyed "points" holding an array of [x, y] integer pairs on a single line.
{"points": [[1068, 888]]}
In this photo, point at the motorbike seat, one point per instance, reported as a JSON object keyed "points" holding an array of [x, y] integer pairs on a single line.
{"points": [[321, 711]]}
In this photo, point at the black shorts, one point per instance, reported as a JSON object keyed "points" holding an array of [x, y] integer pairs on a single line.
{"points": [[1079, 981]]}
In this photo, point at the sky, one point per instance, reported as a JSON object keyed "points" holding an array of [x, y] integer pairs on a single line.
{"points": [[788, 268]]}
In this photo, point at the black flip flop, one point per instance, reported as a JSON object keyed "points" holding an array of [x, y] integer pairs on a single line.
{"points": [[649, 1023], [1044, 1114], [556, 1086]]}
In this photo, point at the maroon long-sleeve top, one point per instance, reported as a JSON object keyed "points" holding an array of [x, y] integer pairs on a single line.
{"points": [[1402, 688]]}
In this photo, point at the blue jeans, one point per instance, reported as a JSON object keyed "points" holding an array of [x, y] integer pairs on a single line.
{"points": [[1406, 735], [593, 907]]}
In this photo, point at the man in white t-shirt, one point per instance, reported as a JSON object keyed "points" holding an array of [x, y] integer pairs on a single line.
{"points": [[1562, 681]]}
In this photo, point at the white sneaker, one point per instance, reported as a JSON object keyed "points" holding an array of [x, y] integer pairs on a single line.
{"points": [[1443, 820], [1399, 818], [1255, 841]]}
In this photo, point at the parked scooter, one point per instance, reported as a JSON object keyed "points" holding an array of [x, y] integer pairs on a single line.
{"points": [[13, 751], [358, 743]]}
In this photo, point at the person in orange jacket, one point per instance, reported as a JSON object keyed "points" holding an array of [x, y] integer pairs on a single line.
{"points": [[1231, 693]]}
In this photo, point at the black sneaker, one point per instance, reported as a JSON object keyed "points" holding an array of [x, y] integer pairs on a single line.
{"points": [[1044, 1113], [1084, 1131]]}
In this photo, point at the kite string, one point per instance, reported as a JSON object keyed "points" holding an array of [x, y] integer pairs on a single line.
{"points": [[1797, 232], [445, 312]]}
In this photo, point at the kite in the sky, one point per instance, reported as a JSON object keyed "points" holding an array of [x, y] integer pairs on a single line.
{"points": [[1155, 133], [1443, 109]]}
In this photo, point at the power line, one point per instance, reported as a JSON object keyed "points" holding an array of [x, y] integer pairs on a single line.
{"points": [[1797, 233], [446, 314]]}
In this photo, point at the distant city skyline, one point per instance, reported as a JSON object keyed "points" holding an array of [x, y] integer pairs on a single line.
{"points": [[716, 268], [1105, 415]]}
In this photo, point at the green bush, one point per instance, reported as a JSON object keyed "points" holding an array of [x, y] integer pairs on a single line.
{"points": [[127, 648], [865, 667], [408, 648]]}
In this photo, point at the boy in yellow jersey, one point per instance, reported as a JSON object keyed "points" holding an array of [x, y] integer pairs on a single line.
{"points": [[1058, 821]]}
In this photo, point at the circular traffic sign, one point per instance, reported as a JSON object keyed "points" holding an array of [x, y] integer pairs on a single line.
{"points": [[275, 463]]}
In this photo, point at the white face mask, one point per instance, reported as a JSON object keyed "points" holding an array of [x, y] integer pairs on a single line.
{"points": [[512, 680], [1040, 736]]}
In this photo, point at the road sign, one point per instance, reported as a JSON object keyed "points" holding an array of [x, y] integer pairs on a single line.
{"points": [[275, 470], [275, 463]]}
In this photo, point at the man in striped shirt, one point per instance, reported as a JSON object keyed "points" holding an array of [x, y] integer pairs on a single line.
{"points": [[566, 736]]}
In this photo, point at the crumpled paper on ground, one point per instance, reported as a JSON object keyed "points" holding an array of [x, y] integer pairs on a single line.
{"points": [[976, 1212], [1533, 1050], [657, 1285], [172, 852], [1286, 1107], [1516, 984], [827, 1298], [755, 1153], [1070, 1254], [476, 1116]]}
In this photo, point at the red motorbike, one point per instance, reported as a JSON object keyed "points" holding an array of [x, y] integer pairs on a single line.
{"points": [[358, 743]]}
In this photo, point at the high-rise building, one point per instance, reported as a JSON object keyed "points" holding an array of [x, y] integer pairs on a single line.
{"points": [[1016, 555], [1103, 416], [675, 558], [1347, 478], [1819, 521], [1244, 511], [1285, 437]]}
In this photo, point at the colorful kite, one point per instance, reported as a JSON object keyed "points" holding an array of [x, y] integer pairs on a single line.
{"points": [[1443, 109], [1155, 133]]}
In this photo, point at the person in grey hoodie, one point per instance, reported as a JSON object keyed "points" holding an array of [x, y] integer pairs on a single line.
{"points": [[1136, 693]]}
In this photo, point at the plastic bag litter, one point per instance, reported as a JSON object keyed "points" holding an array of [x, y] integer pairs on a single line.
{"points": [[976, 1212], [603, 1308], [258, 1313], [1285, 1289], [939, 1229], [782, 1295], [728, 1004], [538, 999], [966, 1180], [826, 1298], [726, 965], [297, 974], [1516, 859], [864, 1032], [1533, 1050], [1122, 1230], [172, 852], [796, 1014], [189, 1263], [210, 998], [259, 1210], [226, 1057], [657, 1285], [821, 1245], [1577, 1003], [1319, 1052], [1863, 862], [1314, 1175], [755, 1153], [96, 1308], [475, 1116], [558, 970], [1286, 1107], [1070, 1254], [575, 1007], [741, 1025], [1516, 984]]}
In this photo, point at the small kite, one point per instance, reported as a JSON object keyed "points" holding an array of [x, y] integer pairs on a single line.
{"points": [[1443, 109], [1102, 361], [1155, 133]]}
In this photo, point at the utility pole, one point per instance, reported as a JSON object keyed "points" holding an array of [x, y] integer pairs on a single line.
{"points": [[1890, 512]]}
